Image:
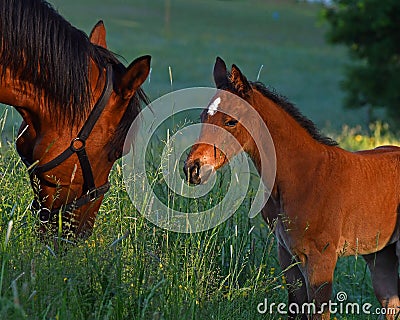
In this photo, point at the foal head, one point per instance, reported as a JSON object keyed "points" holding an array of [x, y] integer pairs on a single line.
{"points": [[227, 119], [69, 169]]}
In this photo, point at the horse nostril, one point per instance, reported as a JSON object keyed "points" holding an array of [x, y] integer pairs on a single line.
{"points": [[192, 171], [186, 170]]}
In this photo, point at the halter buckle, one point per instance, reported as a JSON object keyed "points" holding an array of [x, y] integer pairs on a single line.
{"points": [[93, 194], [77, 144], [44, 215]]}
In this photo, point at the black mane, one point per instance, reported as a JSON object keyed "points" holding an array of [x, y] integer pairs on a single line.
{"points": [[303, 121], [39, 46]]}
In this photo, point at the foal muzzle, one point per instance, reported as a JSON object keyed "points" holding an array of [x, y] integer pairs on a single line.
{"points": [[192, 172], [197, 173]]}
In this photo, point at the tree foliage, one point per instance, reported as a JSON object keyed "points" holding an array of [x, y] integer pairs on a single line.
{"points": [[371, 31]]}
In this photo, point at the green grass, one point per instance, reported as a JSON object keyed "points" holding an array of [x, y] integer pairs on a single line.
{"points": [[131, 269]]}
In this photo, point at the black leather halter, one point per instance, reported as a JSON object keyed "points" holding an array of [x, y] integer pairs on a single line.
{"points": [[78, 146]]}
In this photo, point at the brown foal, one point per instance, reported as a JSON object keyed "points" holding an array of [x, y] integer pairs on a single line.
{"points": [[325, 202]]}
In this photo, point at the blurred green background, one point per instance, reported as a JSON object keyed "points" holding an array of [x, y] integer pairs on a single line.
{"points": [[284, 37]]}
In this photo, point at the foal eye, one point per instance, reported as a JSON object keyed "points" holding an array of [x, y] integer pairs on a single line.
{"points": [[231, 123]]}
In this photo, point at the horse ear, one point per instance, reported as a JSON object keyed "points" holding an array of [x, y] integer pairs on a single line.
{"points": [[134, 76], [220, 74], [239, 81], [98, 35]]}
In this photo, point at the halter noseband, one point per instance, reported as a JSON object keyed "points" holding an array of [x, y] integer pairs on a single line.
{"points": [[78, 145]]}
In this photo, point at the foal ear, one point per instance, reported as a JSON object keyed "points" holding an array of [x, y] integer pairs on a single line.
{"points": [[239, 81], [134, 76], [98, 35], [220, 74]]}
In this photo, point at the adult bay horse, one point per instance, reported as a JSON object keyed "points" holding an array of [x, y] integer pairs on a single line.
{"points": [[77, 101], [325, 202]]}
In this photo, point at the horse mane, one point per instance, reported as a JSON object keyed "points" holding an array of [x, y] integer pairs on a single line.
{"points": [[289, 107], [39, 46]]}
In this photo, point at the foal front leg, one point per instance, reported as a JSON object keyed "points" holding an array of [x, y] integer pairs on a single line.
{"points": [[297, 290], [319, 268]]}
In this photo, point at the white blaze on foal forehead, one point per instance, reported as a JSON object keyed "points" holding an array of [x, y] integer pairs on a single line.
{"points": [[213, 107]]}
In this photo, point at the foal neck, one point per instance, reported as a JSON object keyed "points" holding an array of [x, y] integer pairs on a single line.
{"points": [[296, 150]]}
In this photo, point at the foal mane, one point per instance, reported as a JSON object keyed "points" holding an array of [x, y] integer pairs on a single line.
{"points": [[39, 46], [289, 107]]}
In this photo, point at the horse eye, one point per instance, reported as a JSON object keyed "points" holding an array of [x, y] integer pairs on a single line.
{"points": [[231, 123]]}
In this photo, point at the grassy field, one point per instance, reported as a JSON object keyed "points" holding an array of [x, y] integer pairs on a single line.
{"points": [[131, 269]]}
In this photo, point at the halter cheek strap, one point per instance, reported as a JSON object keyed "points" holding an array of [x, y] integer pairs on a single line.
{"points": [[78, 146]]}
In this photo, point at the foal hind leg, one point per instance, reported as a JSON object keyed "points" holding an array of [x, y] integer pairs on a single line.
{"points": [[297, 291], [398, 261], [383, 266]]}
